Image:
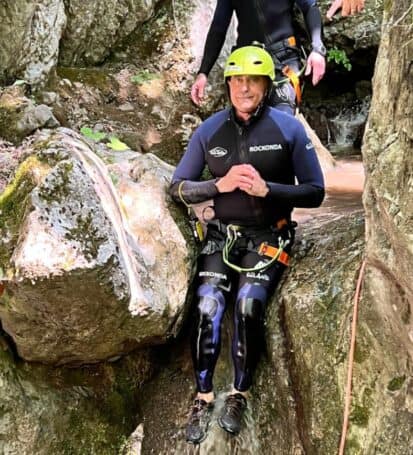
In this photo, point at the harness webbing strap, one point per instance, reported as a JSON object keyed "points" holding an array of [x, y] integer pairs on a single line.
{"points": [[271, 251], [295, 81]]}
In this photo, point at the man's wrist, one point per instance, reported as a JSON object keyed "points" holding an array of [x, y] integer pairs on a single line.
{"points": [[319, 48], [266, 190], [217, 184]]}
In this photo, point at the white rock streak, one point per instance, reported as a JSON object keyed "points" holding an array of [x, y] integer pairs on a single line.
{"points": [[111, 204]]}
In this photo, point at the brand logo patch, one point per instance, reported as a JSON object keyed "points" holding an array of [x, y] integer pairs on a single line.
{"points": [[265, 148], [309, 146], [258, 276], [220, 276], [218, 152]]}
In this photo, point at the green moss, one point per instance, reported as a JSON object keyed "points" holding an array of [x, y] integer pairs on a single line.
{"points": [[387, 4], [361, 352], [14, 201], [89, 76], [359, 415], [396, 383], [11, 106], [352, 446]]}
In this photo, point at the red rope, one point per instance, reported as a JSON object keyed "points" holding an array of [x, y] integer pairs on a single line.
{"points": [[347, 399]]}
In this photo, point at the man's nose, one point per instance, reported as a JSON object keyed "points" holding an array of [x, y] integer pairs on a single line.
{"points": [[245, 85]]}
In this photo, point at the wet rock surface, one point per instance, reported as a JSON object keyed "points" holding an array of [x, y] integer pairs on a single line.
{"points": [[67, 411]]}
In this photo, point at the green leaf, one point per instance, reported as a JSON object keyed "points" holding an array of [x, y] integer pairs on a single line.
{"points": [[116, 144], [339, 57], [20, 82], [93, 135]]}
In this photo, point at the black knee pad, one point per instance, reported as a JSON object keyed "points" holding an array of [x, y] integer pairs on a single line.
{"points": [[250, 308], [251, 299], [211, 299]]}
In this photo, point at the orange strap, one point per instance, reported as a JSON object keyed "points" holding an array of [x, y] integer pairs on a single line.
{"points": [[281, 223], [291, 40], [271, 251], [295, 81]]}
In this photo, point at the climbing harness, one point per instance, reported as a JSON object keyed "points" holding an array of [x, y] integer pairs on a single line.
{"points": [[194, 222], [290, 75], [234, 232]]}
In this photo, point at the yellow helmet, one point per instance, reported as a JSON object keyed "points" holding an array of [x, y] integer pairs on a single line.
{"points": [[250, 61]]}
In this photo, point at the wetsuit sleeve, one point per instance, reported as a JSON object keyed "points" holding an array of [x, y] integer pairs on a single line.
{"points": [[309, 192], [216, 35], [313, 21], [189, 171]]}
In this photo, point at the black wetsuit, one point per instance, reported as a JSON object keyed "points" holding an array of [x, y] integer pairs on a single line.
{"points": [[268, 22], [277, 146]]}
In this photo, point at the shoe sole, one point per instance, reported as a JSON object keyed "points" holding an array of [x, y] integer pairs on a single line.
{"points": [[198, 441], [231, 432]]}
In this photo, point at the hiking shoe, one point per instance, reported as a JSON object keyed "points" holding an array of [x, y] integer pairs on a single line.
{"points": [[198, 421], [231, 417]]}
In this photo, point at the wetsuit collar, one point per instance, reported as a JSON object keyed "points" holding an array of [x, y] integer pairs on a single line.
{"points": [[257, 114]]}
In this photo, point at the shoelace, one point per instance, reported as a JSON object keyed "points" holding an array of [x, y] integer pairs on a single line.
{"points": [[197, 410], [234, 406]]}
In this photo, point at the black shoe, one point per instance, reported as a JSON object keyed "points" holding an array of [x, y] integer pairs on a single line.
{"points": [[231, 417], [198, 422]]}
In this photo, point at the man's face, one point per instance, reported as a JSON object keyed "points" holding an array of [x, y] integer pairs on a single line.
{"points": [[247, 92]]}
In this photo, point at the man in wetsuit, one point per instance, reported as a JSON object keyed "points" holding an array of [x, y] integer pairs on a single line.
{"points": [[270, 23], [254, 154]]}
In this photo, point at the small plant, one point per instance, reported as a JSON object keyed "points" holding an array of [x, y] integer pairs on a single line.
{"points": [[117, 145], [93, 135], [339, 57], [143, 76]]}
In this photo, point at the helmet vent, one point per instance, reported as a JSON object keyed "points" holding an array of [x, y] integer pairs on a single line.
{"points": [[258, 62]]}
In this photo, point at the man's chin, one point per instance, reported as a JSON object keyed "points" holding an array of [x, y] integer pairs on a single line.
{"points": [[247, 109]]}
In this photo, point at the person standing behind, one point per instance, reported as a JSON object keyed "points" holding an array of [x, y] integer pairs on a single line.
{"points": [[254, 153], [271, 23]]}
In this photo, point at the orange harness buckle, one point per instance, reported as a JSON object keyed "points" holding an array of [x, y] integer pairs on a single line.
{"points": [[271, 251]]}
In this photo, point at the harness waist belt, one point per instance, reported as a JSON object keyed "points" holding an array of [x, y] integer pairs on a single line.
{"points": [[222, 227], [280, 45]]}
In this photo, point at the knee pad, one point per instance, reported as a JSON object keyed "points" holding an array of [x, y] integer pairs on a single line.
{"points": [[211, 299], [254, 291], [251, 299], [250, 308]]}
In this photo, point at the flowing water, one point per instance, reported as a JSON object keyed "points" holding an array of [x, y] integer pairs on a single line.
{"points": [[346, 129], [344, 186]]}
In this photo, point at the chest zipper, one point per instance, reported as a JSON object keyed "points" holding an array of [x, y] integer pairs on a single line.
{"points": [[244, 158]]}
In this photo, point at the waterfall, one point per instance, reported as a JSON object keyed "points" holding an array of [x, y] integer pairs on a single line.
{"points": [[347, 127]]}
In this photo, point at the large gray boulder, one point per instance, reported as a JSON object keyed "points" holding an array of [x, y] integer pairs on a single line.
{"points": [[30, 33], [20, 116], [95, 28], [100, 273], [387, 154], [47, 410]]}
